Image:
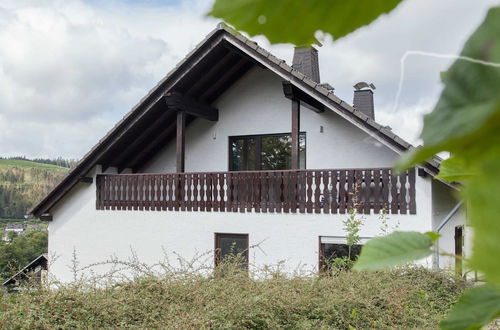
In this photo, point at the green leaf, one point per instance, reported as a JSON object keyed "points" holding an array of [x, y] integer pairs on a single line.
{"points": [[296, 21], [466, 122], [395, 249], [433, 236], [476, 307], [454, 169]]}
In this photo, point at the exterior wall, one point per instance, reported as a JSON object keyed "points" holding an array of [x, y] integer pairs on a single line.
{"points": [[256, 105], [96, 236], [443, 202]]}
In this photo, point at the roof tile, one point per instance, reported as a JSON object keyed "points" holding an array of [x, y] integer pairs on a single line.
{"points": [[298, 74], [252, 44], [374, 124], [285, 66], [262, 51], [274, 59], [310, 82], [346, 105], [402, 142], [322, 90]]}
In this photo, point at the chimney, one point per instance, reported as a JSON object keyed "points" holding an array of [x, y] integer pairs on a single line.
{"points": [[363, 98], [305, 60]]}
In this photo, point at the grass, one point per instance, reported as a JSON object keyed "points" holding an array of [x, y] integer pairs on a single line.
{"points": [[402, 298], [28, 163]]}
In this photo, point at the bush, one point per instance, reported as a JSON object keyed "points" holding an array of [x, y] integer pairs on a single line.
{"points": [[401, 298]]}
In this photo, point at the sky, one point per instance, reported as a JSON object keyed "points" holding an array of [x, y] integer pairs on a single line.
{"points": [[70, 69]]}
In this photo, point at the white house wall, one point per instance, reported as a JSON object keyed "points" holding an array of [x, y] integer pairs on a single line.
{"points": [[443, 202], [97, 236], [256, 105]]}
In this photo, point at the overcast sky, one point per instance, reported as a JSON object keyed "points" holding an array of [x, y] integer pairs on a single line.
{"points": [[70, 69]]}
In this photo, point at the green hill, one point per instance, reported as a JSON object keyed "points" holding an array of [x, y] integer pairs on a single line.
{"points": [[23, 183]]}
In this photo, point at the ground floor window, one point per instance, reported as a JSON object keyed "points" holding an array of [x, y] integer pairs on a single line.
{"points": [[331, 249], [231, 247]]}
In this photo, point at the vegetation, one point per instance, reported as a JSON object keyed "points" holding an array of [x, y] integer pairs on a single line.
{"points": [[20, 251], [22, 160], [465, 122], [23, 183], [406, 297]]}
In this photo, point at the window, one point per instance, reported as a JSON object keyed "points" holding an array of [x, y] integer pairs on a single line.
{"points": [[264, 152], [331, 248], [459, 243], [231, 245]]}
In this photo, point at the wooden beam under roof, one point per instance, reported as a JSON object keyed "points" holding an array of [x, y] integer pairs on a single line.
{"points": [[180, 142], [145, 137], [292, 92], [226, 61], [295, 134], [183, 103], [138, 160], [228, 75]]}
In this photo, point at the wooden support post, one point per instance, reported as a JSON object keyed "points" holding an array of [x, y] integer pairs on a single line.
{"points": [[180, 140], [295, 134]]}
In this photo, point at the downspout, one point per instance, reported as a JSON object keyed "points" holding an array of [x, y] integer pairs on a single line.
{"points": [[440, 226]]}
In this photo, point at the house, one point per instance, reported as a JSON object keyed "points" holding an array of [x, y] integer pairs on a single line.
{"points": [[36, 270], [13, 229], [234, 148]]}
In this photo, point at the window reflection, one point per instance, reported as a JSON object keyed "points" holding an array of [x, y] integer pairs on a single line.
{"points": [[265, 152]]}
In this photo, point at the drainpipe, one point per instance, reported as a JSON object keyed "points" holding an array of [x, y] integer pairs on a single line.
{"points": [[438, 229]]}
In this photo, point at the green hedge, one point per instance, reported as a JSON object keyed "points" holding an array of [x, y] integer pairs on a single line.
{"points": [[402, 298]]}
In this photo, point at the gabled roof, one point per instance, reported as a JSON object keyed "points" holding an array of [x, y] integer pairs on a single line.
{"points": [[204, 74], [41, 260]]}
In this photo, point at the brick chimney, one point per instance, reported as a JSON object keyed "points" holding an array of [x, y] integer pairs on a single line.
{"points": [[363, 98], [305, 60]]}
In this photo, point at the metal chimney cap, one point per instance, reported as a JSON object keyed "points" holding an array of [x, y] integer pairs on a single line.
{"points": [[360, 85]]}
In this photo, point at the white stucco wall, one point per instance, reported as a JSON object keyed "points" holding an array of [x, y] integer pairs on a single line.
{"points": [[443, 202], [293, 238], [254, 105]]}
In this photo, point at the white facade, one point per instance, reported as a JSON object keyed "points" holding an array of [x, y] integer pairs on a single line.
{"points": [[253, 105]]}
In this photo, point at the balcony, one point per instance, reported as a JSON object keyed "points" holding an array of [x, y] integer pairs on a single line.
{"points": [[290, 191]]}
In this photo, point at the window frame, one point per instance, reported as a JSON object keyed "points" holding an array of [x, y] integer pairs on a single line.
{"points": [[341, 240], [217, 246], [258, 148]]}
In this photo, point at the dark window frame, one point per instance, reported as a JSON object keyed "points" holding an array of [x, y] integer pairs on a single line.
{"points": [[258, 147], [321, 254], [217, 246]]}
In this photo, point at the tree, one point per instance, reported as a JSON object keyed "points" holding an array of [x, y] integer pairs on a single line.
{"points": [[465, 122], [20, 251]]}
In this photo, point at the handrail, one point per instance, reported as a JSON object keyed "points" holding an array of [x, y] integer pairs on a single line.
{"points": [[305, 191]]}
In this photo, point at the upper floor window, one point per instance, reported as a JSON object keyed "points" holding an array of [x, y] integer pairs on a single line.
{"points": [[264, 152]]}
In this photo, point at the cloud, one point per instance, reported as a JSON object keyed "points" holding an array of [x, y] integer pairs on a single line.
{"points": [[70, 69]]}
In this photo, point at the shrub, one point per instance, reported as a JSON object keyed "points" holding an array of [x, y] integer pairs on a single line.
{"points": [[402, 298]]}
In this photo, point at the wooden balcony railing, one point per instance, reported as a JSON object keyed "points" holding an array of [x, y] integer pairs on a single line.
{"points": [[304, 191]]}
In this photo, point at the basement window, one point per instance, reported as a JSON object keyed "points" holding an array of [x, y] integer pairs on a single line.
{"points": [[331, 247], [231, 248]]}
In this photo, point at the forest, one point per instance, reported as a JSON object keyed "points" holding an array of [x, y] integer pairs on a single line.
{"points": [[23, 182]]}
